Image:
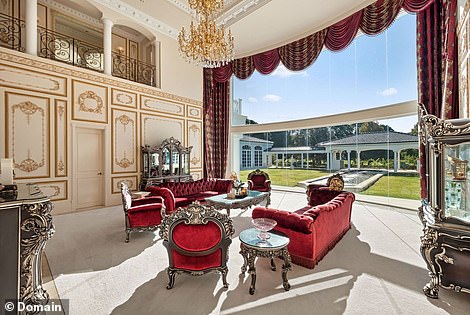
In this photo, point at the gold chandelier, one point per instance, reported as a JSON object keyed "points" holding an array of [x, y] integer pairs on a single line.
{"points": [[206, 44]]}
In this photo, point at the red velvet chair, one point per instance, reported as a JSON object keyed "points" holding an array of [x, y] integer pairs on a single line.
{"points": [[197, 240], [144, 214], [259, 181]]}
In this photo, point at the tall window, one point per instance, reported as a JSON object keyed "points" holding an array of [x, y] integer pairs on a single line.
{"points": [[258, 156], [353, 110], [246, 156]]}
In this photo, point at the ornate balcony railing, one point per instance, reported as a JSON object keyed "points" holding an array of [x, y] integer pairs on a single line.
{"points": [[60, 47], [11, 31], [64, 48], [133, 69]]}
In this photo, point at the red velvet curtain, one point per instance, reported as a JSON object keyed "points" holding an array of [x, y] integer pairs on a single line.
{"points": [[437, 66], [216, 120], [300, 54], [295, 56]]}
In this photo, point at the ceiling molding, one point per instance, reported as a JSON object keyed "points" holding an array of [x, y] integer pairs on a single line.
{"points": [[139, 17], [236, 10], [181, 5], [74, 13]]}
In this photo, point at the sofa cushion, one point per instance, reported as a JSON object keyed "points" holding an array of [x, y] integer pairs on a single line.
{"points": [[181, 201], [291, 220]]}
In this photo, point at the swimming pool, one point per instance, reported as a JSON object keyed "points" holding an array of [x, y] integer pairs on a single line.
{"points": [[354, 180]]}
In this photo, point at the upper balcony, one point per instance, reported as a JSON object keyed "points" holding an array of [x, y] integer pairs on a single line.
{"points": [[133, 56]]}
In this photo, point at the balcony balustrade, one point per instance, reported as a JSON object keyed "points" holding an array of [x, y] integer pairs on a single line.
{"points": [[11, 31], [60, 47], [133, 69]]}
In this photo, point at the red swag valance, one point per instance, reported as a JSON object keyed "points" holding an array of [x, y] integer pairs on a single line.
{"points": [[300, 54]]}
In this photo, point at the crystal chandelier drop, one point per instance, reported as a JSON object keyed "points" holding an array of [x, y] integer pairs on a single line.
{"points": [[206, 44]]}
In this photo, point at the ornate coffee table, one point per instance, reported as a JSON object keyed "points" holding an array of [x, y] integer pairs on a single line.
{"points": [[222, 202], [276, 246]]}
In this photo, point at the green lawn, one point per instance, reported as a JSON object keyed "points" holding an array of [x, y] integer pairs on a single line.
{"points": [[287, 177], [406, 187]]}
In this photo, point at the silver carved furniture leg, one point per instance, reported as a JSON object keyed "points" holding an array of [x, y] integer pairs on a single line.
{"points": [[251, 248]]}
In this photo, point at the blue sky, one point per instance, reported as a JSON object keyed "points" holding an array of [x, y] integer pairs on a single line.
{"points": [[372, 71]]}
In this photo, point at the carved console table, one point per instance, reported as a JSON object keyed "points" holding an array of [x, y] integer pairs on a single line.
{"points": [[25, 227]]}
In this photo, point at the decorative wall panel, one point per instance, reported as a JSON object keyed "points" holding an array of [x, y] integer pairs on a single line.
{"points": [[194, 137], [56, 190], [30, 80], [155, 129], [123, 98], [194, 112], [90, 102], [60, 115], [27, 134], [162, 106], [131, 182], [124, 141], [197, 174]]}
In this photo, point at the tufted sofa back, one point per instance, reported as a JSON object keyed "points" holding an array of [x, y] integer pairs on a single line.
{"points": [[180, 189]]}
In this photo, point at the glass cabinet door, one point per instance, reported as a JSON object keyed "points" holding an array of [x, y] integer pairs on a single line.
{"points": [[456, 177]]}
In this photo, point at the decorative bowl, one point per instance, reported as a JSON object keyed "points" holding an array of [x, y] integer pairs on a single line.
{"points": [[264, 225]]}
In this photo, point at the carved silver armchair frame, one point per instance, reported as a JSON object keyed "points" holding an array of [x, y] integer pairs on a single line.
{"points": [[197, 214]]}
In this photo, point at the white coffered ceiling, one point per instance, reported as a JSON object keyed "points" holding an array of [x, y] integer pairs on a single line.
{"points": [[257, 25]]}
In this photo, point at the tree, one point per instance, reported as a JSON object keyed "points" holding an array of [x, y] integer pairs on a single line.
{"points": [[414, 131], [372, 126]]}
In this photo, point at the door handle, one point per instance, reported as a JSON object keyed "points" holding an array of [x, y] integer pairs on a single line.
{"points": [[100, 173]]}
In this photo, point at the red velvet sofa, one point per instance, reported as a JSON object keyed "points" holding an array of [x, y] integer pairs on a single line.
{"points": [[179, 194], [316, 228]]}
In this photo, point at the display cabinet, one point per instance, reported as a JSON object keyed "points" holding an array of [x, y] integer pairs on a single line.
{"points": [[445, 213], [168, 161]]}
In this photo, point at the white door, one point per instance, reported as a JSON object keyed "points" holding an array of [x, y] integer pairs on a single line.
{"points": [[89, 165]]}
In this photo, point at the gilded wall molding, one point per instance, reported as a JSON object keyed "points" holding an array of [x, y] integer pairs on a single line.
{"points": [[124, 142], [123, 98], [61, 143], [32, 81], [89, 102], [194, 139], [161, 106], [194, 112], [156, 128], [6, 55], [27, 134], [55, 190], [131, 182]]}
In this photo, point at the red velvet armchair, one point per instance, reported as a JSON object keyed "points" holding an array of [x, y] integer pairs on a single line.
{"points": [[315, 229], [259, 181], [197, 240], [144, 214]]}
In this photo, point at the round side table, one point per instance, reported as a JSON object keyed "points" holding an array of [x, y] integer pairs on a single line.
{"points": [[275, 246]]}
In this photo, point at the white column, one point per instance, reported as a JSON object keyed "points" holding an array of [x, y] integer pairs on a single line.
{"points": [[398, 160], [302, 160], [283, 158], [236, 153], [395, 160], [358, 159], [31, 27], [328, 166], [156, 63], [107, 46], [349, 160]]}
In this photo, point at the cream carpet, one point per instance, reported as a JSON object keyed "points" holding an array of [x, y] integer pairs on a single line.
{"points": [[375, 269]]}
